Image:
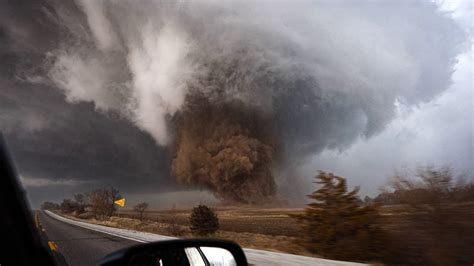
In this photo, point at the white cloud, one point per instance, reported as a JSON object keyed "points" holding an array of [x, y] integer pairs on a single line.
{"points": [[82, 79], [158, 64], [99, 24]]}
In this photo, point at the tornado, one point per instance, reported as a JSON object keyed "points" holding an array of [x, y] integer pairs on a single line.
{"points": [[225, 148], [240, 94]]}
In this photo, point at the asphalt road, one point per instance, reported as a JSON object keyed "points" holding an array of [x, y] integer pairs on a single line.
{"points": [[76, 245], [79, 246]]}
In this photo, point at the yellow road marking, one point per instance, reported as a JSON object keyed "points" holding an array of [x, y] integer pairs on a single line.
{"points": [[52, 245], [37, 223]]}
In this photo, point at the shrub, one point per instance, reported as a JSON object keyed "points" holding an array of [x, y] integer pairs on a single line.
{"points": [[68, 206], [437, 227], [203, 221], [140, 208], [175, 229]]}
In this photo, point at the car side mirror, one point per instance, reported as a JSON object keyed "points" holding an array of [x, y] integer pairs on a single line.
{"points": [[179, 252]]}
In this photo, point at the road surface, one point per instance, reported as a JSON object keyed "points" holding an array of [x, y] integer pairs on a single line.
{"points": [[78, 245], [81, 243]]}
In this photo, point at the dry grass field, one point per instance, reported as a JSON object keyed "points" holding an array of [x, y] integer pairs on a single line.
{"points": [[260, 228], [274, 222], [274, 230], [266, 229]]}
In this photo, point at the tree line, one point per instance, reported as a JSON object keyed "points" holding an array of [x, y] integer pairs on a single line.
{"points": [[432, 223], [99, 203]]}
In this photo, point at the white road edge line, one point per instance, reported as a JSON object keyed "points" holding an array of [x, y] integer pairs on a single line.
{"points": [[254, 256], [92, 229]]}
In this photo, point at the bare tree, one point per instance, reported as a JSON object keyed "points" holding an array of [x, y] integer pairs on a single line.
{"points": [[429, 191], [80, 202], [113, 195], [47, 205], [68, 206], [140, 208], [97, 200], [75, 206], [101, 202]]}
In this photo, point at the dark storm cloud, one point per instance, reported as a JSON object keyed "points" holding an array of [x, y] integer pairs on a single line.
{"points": [[82, 76], [62, 141], [53, 139]]}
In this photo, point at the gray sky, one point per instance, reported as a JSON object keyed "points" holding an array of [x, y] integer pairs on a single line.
{"points": [[359, 88], [438, 133]]}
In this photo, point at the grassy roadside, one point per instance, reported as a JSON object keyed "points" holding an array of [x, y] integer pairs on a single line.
{"points": [[265, 229]]}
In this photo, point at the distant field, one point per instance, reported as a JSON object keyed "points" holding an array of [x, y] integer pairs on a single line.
{"points": [[266, 221], [275, 222], [261, 228], [266, 229]]}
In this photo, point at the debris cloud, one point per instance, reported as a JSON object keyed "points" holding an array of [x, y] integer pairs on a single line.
{"points": [[241, 92], [225, 148]]}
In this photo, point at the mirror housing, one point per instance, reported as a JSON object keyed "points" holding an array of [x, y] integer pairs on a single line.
{"points": [[127, 256]]}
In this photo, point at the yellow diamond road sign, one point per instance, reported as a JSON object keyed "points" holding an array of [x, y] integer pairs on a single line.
{"points": [[120, 202]]}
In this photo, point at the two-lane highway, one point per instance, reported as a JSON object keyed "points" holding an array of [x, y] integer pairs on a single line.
{"points": [[80, 246]]}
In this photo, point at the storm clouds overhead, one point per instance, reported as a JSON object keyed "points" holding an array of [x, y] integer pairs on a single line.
{"points": [[96, 93]]}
